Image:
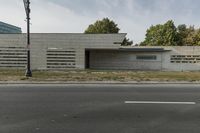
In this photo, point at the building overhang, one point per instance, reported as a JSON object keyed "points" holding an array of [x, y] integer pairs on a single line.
{"points": [[144, 49], [132, 49]]}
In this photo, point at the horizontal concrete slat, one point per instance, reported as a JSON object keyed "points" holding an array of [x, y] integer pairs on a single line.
{"points": [[56, 67], [60, 58], [11, 51], [3, 61], [11, 47], [61, 54], [5, 67], [60, 61], [56, 57], [61, 64], [12, 56], [14, 66], [60, 51], [12, 63]]}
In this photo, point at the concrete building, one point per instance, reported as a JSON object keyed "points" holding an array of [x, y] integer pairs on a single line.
{"points": [[9, 29], [93, 51]]}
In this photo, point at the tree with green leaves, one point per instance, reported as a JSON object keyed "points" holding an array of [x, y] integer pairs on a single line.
{"points": [[195, 37], [106, 26], [162, 35], [189, 36], [168, 35], [182, 34]]}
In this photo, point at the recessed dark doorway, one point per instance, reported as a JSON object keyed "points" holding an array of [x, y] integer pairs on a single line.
{"points": [[87, 59]]}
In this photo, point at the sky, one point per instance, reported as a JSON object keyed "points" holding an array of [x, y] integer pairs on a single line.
{"points": [[73, 16]]}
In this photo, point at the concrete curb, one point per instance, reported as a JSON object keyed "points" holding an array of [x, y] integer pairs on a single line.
{"points": [[96, 82]]}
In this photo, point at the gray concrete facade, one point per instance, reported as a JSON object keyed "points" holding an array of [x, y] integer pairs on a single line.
{"points": [[94, 51], [54, 50], [114, 59], [179, 58]]}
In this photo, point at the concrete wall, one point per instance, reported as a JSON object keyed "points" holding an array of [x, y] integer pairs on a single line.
{"points": [[59, 44], [167, 64], [113, 59], [67, 51], [184, 51], [189, 60]]}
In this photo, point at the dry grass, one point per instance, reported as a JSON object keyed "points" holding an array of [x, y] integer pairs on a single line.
{"points": [[89, 75]]}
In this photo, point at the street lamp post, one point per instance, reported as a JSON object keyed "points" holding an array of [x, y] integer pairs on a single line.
{"points": [[27, 8]]}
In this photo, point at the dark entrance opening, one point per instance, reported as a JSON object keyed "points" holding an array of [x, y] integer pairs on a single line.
{"points": [[87, 59]]}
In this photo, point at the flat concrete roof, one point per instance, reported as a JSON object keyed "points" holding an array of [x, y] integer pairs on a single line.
{"points": [[131, 49], [144, 49]]}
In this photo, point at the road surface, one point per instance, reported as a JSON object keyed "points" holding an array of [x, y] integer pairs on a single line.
{"points": [[100, 108]]}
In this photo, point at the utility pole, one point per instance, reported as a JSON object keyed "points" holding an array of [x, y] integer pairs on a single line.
{"points": [[27, 8]]}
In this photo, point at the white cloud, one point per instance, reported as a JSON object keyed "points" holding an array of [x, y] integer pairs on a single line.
{"points": [[55, 18], [12, 11], [45, 17], [132, 16]]}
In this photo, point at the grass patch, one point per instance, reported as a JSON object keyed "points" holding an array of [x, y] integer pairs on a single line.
{"points": [[97, 75]]}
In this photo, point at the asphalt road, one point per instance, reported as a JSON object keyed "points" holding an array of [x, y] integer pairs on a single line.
{"points": [[99, 109]]}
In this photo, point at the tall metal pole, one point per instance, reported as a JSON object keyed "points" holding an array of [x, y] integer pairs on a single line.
{"points": [[28, 71]]}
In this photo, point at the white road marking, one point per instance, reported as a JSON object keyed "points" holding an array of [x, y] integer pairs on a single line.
{"points": [[158, 102]]}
